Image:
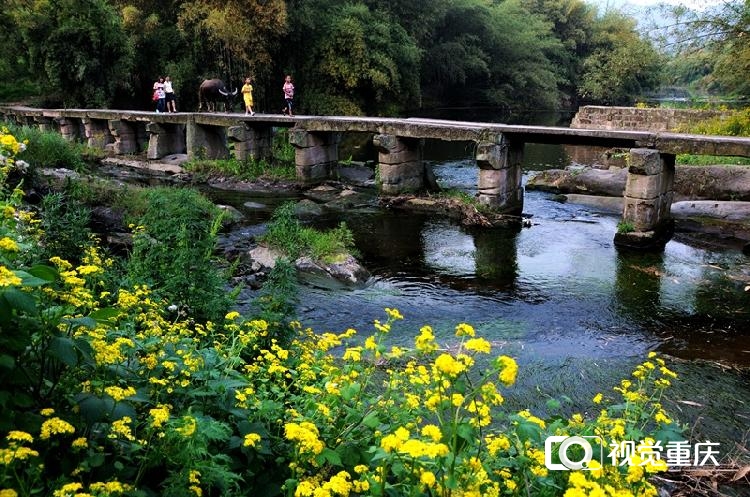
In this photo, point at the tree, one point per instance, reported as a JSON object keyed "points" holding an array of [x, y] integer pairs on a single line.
{"points": [[492, 54], [353, 60], [240, 35], [622, 64], [573, 24], [77, 49], [716, 39]]}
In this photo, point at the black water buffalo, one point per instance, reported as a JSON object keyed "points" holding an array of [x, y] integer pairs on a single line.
{"points": [[213, 91]]}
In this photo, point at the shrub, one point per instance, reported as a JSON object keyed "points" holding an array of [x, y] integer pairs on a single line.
{"points": [[287, 234], [49, 149], [173, 244]]}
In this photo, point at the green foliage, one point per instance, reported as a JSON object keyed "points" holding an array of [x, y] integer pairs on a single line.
{"points": [[621, 66], [78, 50], [287, 234], [491, 54], [734, 123], [49, 149], [625, 227], [65, 228], [276, 304], [247, 170], [353, 58], [173, 245], [710, 47], [711, 160]]}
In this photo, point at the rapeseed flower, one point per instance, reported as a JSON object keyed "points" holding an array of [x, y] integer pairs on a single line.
{"points": [[508, 370]]}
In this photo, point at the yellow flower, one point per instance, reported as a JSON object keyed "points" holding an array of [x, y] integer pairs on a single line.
{"points": [[19, 436], [251, 440], [68, 490], [597, 398], [427, 478], [433, 432], [79, 443], [55, 426], [8, 492], [159, 415], [464, 329], [478, 345], [8, 278], [231, 316], [393, 313], [508, 370], [447, 364], [425, 342], [118, 393], [188, 427], [8, 244]]}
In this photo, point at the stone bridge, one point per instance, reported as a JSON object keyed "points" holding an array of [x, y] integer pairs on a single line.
{"points": [[499, 150]]}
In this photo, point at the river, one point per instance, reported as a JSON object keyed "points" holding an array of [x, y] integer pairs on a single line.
{"points": [[575, 312]]}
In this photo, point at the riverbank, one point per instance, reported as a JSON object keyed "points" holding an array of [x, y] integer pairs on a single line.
{"points": [[708, 200]]}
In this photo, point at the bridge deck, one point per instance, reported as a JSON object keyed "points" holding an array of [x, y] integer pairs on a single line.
{"points": [[670, 143]]}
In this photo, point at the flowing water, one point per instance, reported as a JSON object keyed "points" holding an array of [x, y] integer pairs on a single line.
{"points": [[576, 313]]}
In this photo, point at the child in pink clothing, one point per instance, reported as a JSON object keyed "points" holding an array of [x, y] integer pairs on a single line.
{"points": [[288, 95]]}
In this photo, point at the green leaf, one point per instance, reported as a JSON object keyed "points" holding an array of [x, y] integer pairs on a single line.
{"points": [[30, 280], [19, 300], [96, 460], [106, 316], [330, 456], [93, 408], [553, 404], [63, 349], [44, 272], [85, 322], [7, 362], [466, 431], [528, 431], [371, 420], [350, 391]]}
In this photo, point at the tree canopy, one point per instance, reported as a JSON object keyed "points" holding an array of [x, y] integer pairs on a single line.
{"points": [[374, 57]]}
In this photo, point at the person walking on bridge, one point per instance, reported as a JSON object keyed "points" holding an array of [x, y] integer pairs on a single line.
{"points": [[159, 94], [169, 95], [288, 95], [247, 95]]}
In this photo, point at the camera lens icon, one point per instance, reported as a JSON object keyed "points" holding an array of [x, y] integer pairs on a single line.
{"points": [[566, 464]]}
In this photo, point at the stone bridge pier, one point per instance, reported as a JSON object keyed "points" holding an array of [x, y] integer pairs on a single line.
{"points": [[400, 164], [70, 128], [315, 153], [126, 135], [251, 142], [97, 133], [500, 175], [646, 217]]}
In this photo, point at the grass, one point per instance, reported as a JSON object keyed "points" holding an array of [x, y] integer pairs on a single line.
{"points": [[281, 165], [625, 227], [711, 160], [243, 170], [286, 234], [464, 198]]}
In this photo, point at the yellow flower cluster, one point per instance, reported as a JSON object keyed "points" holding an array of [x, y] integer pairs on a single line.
{"points": [[55, 426], [306, 435]]}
